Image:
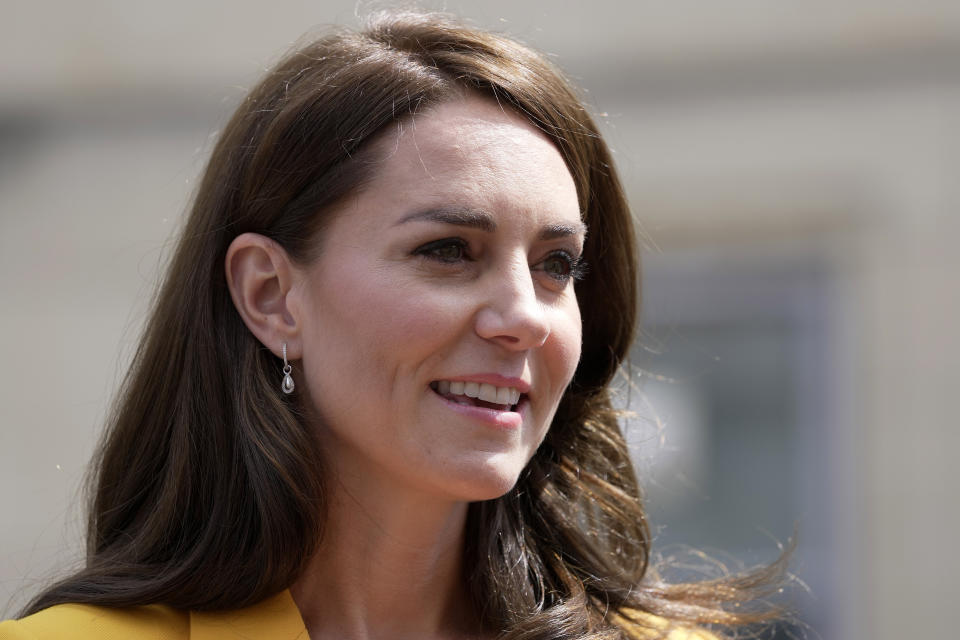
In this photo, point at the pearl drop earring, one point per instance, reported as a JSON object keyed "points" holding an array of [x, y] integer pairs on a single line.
{"points": [[287, 385]]}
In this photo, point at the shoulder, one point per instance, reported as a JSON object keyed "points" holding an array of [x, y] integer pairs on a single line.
{"points": [[646, 626], [150, 622], [276, 617]]}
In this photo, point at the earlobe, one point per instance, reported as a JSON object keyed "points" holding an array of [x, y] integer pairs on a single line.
{"points": [[260, 276]]}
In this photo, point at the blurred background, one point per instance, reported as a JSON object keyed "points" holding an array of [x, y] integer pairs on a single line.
{"points": [[794, 170]]}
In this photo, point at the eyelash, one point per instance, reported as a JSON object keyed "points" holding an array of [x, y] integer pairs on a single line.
{"points": [[576, 265]]}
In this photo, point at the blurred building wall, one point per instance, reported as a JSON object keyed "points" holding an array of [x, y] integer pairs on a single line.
{"points": [[760, 143]]}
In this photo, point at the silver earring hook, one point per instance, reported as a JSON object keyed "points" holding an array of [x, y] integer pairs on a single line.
{"points": [[287, 385]]}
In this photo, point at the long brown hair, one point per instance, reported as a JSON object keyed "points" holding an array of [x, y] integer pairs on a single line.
{"points": [[206, 492]]}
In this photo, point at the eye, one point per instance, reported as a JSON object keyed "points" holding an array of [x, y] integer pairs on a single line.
{"points": [[447, 250], [563, 266]]}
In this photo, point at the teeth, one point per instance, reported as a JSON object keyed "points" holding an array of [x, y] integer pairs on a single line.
{"points": [[482, 391], [488, 393]]}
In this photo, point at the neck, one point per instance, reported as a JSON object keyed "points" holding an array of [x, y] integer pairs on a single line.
{"points": [[389, 565]]}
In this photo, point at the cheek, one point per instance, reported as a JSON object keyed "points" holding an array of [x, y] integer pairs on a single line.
{"points": [[403, 325], [381, 322], [413, 316], [568, 333]]}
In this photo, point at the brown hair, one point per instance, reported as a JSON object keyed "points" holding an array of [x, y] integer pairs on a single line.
{"points": [[206, 493]]}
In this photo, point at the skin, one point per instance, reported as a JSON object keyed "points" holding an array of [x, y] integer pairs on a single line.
{"points": [[454, 261]]}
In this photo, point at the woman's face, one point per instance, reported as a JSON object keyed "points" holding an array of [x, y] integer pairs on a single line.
{"points": [[448, 276]]}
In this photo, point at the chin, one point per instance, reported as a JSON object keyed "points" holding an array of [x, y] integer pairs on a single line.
{"points": [[492, 491], [488, 482]]}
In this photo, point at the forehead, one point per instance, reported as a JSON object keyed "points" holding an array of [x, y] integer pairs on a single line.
{"points": [[472, 129], [475, 152]]}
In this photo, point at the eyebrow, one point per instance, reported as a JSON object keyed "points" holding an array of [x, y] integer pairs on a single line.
{"points": [[461, 217], [478, 219], [552, 231]]}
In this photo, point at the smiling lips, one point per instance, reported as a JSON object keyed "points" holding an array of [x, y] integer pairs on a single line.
{"points": [[478, 394]]}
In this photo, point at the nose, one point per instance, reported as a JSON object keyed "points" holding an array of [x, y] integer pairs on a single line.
{"points": [[512, 314]]}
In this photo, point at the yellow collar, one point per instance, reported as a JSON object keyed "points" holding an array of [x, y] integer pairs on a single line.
{"points": [[277, 618]]}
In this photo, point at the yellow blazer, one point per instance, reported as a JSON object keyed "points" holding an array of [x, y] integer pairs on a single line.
{"points": [[275, 618]]}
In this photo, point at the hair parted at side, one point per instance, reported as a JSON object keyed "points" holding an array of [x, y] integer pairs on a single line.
{"points": [[206, 492]]}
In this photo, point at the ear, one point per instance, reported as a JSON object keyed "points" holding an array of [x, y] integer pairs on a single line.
{"points": [[260, 276]]}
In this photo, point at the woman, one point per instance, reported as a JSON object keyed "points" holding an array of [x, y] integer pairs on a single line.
{"points": [[372, 398]]}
